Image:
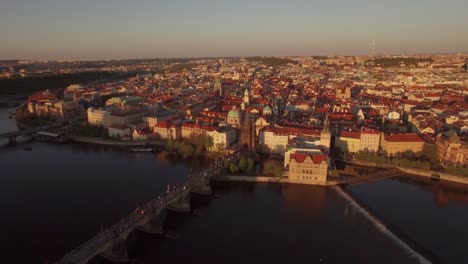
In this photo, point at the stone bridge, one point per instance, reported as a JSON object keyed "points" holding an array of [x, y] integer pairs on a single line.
{"points": [[149, 218]]}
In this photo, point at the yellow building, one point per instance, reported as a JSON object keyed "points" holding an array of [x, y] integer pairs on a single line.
{"points": [[58, 109], [349, 141], [450, 149], [308, 168], [108, 117], [370, 140], [222, 137], [167, 131], [392, 144]]}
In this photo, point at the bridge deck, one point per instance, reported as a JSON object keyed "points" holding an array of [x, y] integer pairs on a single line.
{"points": [[25, 131], [101, 242]]}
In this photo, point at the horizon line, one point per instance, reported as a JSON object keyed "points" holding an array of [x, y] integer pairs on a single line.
{"points": [[250, 56]]}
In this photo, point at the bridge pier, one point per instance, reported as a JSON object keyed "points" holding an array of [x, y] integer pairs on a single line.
{"points": [[203, 189], [117, 253], [155, 225], [182, 203]]}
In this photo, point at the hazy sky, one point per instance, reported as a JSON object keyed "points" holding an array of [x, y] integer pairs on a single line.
{"points": [[105, 29]]}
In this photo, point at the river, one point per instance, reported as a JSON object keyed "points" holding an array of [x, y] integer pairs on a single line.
{"points": [[432, 214], [56, 196]]}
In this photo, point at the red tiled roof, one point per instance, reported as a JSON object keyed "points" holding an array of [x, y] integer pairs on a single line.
{"points": [[301, 157], [350, 134], [402, 138], [292, 131]]}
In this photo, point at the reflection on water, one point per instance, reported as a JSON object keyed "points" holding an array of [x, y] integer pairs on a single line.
{"points": [[432, 214], [269, 223], [56, 196], [444, 192]]}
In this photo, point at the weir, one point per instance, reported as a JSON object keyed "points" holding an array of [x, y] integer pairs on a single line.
{"points": [[380, 226]]}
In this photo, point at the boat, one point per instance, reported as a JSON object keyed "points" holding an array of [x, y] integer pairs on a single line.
{"points": [[141, 149]]}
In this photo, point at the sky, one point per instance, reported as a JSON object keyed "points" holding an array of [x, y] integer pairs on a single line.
{"points": [[120, 29]]}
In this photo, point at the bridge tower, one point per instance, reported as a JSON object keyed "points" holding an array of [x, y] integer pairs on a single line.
{"points": [[248, 137]]}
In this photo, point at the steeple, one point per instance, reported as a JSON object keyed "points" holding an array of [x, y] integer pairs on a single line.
{"points": [[246, 96], [326, 125], [325, 136]]}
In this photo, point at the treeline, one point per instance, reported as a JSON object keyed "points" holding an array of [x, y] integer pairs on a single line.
{"points": [[396, 62], [403, 161], [270, 61], [87, 130], [28, 85], [245, 164], [193, 146]]}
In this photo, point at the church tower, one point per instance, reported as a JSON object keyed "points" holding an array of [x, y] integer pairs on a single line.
{"points": [[246, 96], [218, 87], [325, 136], [248, 135]]}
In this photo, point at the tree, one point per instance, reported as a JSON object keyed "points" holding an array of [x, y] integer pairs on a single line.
{"points": [[431, 152], [208, 142], [171, 145], [186, 150], [226, 164], [243, 165], [250, 166], [220, 146], [198, 150], [270, 170], [233, 168]]}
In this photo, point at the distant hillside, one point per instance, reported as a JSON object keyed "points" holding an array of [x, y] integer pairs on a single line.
{"points": [[27, 85], [396, 62], [271, 61]]}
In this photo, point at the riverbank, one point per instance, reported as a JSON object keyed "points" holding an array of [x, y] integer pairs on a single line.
{"points": [[418, 172], [105, 142], [234, 178]]}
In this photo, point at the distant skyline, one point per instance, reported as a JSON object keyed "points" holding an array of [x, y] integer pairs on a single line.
{"points": [[117, 29]]}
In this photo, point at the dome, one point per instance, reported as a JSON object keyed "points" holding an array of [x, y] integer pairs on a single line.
{"points": [[233, 113], [267, 109]]}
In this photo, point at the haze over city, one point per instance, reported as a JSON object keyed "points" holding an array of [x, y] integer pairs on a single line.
{"points": [[105, 29]]}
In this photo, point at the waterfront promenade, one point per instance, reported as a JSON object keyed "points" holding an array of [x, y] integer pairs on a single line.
{"points": [[111, 242], [413, 171]]}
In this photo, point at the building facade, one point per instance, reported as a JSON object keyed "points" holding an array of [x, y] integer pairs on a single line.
{"points": [[450, 149], [393, 144], [308, 168]]}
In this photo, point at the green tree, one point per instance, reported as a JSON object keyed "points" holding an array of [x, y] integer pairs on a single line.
{"points": [[220, 146], [208, 142], [233, 168], [243, 165], [198, 150], [250, 166], [431, 152], [226, 164], [171, 145]]}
